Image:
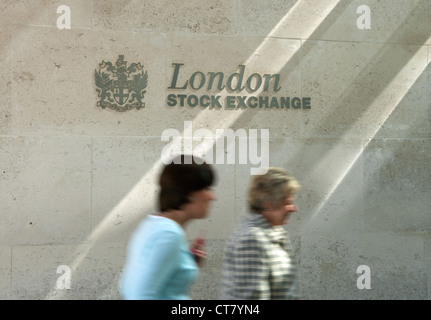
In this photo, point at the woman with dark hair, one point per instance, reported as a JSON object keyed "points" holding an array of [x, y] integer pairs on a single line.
{"points": [[160, 265]]}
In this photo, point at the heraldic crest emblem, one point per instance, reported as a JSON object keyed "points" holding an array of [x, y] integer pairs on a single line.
{"points": [[120, 87]]}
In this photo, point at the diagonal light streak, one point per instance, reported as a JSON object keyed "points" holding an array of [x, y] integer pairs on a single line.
{"points": [[408, 75]]}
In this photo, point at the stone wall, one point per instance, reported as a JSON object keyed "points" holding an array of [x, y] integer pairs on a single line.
{"points": [[76, 175]]}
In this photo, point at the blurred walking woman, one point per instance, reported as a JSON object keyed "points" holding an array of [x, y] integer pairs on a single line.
{"points": [[160, 264], [259, 262]]}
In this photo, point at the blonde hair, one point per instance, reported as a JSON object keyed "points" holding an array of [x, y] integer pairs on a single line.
{"points": [[273, 187]]}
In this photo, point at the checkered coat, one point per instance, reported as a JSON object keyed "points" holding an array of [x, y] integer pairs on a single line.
{"points": [[258, 262]]}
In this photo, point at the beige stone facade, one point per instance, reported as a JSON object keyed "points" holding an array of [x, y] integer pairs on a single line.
{"points": [[75, 178]]}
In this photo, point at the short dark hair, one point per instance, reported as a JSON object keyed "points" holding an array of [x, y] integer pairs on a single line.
{"points": [[178, 179]]}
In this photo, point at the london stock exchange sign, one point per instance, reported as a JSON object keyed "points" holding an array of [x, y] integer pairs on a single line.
{"points": [[120, 87]]}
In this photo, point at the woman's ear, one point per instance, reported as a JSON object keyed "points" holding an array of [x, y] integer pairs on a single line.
{"points": [[267, 206], [191, 197], [267, 211]]}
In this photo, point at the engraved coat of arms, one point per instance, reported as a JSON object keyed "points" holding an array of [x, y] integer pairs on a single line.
{"points": [[120, 87]]}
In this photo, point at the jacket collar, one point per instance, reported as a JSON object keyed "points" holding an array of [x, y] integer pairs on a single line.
{"points": [[276, 234]]}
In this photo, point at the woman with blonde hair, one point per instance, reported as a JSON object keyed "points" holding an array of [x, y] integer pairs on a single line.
{"points": [[258, 261]]}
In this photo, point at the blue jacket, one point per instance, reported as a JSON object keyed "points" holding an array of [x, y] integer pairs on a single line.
{"points": [[159, 264]]}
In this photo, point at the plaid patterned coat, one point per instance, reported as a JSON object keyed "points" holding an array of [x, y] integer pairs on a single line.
{"points": [[258, 263]]}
